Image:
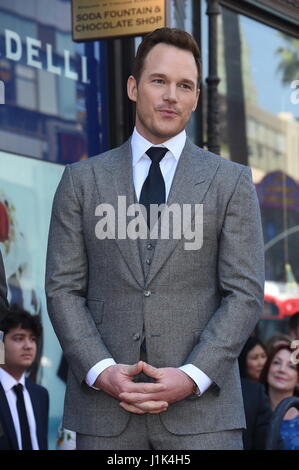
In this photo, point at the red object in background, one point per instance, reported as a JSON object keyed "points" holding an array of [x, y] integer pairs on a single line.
{"points": [[285, 307], [4, 223], [285, 296]]}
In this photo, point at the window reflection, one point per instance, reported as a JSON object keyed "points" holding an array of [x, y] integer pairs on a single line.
{"points": [[260, 127], [48, 91]]}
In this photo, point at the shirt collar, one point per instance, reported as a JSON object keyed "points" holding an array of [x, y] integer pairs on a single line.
{"points": [[140, 145], [8, 381]]}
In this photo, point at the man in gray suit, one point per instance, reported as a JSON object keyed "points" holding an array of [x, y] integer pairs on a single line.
{"points": [[3, 291], [151, 327]]}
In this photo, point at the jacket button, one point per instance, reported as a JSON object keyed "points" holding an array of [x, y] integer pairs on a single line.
{"points": [[149, 246], [148, 261], [136, 336], [147, 293]]}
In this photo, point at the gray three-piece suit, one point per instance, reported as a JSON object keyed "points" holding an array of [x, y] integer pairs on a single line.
{"points": [[193, 306]]}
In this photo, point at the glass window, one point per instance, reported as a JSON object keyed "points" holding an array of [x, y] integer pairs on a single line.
{"points": [[51, 84], [259, 115], [27, 186], [26, 87]]}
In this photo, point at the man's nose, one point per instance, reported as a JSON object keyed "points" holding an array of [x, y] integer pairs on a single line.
{"points": [[28, 343], [170, 93]]}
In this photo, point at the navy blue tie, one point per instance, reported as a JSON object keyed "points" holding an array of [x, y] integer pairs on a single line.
{"points": [[24, 425], [153, 189]]}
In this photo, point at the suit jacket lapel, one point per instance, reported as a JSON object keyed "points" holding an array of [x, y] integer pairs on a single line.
{"points": [[7, 421], [119, 182], [192, 179]]}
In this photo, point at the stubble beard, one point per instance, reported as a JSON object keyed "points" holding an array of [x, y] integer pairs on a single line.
{"points": [[160, 134]]}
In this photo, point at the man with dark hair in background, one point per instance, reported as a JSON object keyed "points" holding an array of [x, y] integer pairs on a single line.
{"points": [[24, 405], [151, 329]]}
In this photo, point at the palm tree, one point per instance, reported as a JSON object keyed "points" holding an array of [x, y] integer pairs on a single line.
{"points": [[289, 63]]}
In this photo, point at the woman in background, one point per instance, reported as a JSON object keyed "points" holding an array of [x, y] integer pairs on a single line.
{"points": [[252, 359], [257, 408], [276, 340], [281, 379]]}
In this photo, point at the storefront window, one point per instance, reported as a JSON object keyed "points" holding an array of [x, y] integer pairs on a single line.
{"points": [[259, 126], [51, 115], [48, 82]]}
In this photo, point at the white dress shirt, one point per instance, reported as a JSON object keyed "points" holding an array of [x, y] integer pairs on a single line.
{"points": [[8, 382], [141, 164]]}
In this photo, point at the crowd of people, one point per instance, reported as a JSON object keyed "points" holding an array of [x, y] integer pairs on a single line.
{"points": [[274, 369]]}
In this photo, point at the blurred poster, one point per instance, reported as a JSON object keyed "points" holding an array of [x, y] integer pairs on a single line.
{"points": [[27, 187]]}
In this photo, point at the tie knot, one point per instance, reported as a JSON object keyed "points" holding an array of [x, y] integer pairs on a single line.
{"points": [[18, 389], [156, 153]]}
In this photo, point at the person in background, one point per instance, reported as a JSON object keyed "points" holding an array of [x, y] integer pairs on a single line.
{"points": [[276, 340], [252, 359], [24, 405], [256, 403], [294, 326], [258, 414], [281, 379]]}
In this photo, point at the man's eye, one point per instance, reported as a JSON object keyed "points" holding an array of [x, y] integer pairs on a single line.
{"points": [[186, 86], [158, 80]]}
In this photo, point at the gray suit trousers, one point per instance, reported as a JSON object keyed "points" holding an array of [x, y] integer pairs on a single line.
{"points": [[147, 432]]}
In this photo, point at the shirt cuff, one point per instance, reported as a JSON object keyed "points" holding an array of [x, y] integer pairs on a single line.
{"points": [[97, 369], [202, 381]]}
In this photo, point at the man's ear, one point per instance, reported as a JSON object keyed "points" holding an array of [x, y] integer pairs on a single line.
{"points": [[132, 88], [196, 102]]}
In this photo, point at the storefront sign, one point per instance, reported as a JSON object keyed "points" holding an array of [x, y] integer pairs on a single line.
{"points": [[98, 19], [33, 53]]}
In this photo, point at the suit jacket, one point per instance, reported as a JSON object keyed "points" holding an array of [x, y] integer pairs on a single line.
{"points": [[258, 414], [195, 307], [40, 403], [3, 291]]}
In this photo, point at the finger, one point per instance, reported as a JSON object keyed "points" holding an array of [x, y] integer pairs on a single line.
{"points": [[152, 406], [131, 408], [157, 411], [145, 407], [151, 371], [134, 369], [137, 398], [145, 387]]}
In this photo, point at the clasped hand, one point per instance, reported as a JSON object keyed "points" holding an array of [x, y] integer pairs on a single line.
{"points": [[171, 385]]}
